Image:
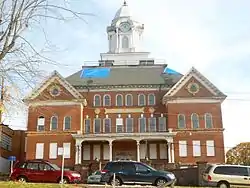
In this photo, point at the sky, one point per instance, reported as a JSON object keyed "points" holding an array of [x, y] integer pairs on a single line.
{"points": [[211, 35]]}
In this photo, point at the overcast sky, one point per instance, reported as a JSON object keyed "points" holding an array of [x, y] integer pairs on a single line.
{"points": [[212, 35]]}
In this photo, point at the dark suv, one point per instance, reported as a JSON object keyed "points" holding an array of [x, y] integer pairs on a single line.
{"points": [[42, 171], [131, 172]]}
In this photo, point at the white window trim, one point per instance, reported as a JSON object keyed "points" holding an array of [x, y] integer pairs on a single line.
{"points": [[139, 125], [42, 154], [116, 103], [205, 117], [64, 122], [119, 125], [197, 118], [109, 100], [56, 122], [69, 155], [139, 99], [165, 119], [183, 142], [51, 156], [196, 144], [132, 124], [149, 98], [94, 101], [100, 125], [179, 121], [40, 117], [85, 125], [207, 146], [104, 126], [126, 101]]}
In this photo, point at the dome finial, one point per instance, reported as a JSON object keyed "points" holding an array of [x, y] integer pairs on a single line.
{"points": [[125, 3]]}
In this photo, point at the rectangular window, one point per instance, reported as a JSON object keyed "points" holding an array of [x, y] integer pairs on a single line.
{"points": [[87, 125], [39, 150], [86, 152], [129, 125], [53, 150], [67, 123], [152, 124], [210, 148], [106, 152], [183, 148], [163, 151], [6, 142], [143, 151], [107, 125], [97, 123], [142, 125], [96, 152], [119, 125], [162, 124], [153, 151], [66, 148], [41, 124], [196, 148]]}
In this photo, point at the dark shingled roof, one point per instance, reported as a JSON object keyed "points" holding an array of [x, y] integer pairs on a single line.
{"points": [[128, 75]]}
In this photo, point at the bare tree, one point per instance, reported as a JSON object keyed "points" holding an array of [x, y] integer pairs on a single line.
{"points": [[19, 58]]}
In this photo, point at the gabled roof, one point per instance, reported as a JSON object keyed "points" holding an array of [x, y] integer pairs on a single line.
{"points": [[54, 76], [199, 77]]}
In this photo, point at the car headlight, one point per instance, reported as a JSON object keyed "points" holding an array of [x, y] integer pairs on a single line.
{"points": [[171, 176], [76, 175]]}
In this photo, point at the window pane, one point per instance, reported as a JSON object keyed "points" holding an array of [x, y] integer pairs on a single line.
{"points": [[151, 99], [129, 100], [119, 101], [97, 125], [87, 125], [54, 123], [67, 123], [119, 125], [141, 100], [107, 100], [162, 124], [208, 121], [142, 124], [181, 121], [107, 125], [129, 125], [97, 100], [41, 123], [195, 121], [152, 124]]}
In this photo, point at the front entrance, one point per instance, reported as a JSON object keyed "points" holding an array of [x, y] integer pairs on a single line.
{"points": [[124, 150]]}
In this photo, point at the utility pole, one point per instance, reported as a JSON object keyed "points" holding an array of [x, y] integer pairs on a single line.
{"points": [[1, 99]]}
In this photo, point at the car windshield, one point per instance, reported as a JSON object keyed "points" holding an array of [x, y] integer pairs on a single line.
{"points": [[55, 166]]}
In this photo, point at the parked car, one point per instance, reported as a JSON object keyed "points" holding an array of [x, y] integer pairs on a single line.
{"points": [[94, 178], [131, 172], [42, 171], [224, 176]]}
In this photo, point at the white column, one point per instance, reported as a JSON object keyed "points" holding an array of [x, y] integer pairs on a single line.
{"points": [[172, 152], [78, 153], [169, 152], [110, 150], [138, 150]]}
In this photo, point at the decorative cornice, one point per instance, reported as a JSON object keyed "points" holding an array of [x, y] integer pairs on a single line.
{"points": [[46, 133], [199, 130]]}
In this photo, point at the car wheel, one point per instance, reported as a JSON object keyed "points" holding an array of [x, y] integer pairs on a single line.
{"points": [[22, 179], [116, 182], [223, 185], [63, 181], [160, 182]]}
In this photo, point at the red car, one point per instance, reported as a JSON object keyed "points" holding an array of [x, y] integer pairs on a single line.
{"points": [[42, 171]]}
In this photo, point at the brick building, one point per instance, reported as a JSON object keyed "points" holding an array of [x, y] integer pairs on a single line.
{"points": [[12, 144], [129, 106]]}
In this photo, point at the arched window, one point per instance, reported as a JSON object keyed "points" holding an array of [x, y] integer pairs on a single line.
{"points": [[41, 123], [151, 99], [119, 100], [106, 100], [141, 100], [195, 121], [97, 100], [67, 123], [53, 123], [125, 42], [208, 121], [129, 100], [181, 121]]}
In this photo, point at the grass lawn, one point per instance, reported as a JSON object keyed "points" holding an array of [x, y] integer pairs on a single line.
{"points": [[33, 185]]}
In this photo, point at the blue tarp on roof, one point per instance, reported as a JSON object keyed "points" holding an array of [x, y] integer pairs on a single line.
{"points": [[170, 71], [95, 72]]}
